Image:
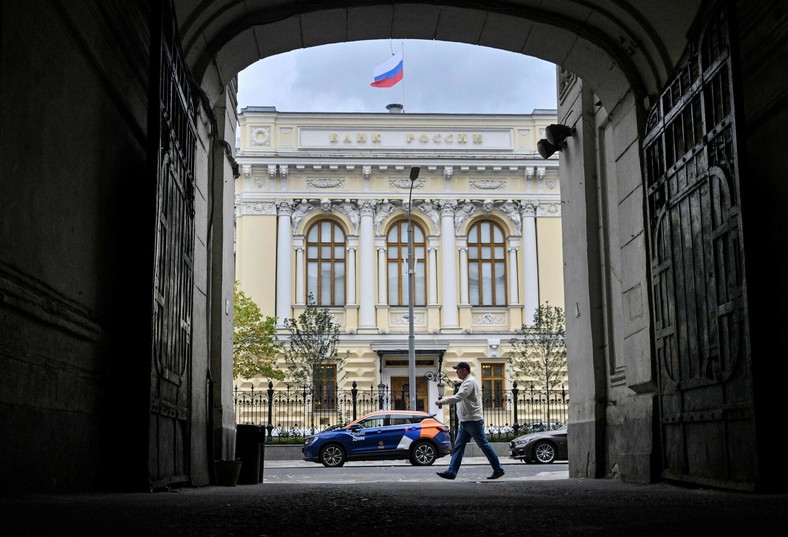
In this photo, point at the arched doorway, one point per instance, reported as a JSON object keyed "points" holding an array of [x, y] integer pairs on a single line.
{"points": [[623, 60], [70, 323]]}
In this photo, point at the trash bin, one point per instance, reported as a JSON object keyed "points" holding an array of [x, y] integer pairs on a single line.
{"points": [[249, 447]]}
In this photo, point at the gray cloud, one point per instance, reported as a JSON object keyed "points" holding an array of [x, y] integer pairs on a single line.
{"points": [[439, 77]]}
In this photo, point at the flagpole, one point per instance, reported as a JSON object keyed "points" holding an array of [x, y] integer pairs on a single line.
{"points": [[404, 108]]}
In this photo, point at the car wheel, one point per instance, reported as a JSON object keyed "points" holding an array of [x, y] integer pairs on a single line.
{"points": [[332, 456], [544, 452], [423, 454]]}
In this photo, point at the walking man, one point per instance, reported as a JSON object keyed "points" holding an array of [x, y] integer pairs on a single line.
{"points": [[469, 413]]}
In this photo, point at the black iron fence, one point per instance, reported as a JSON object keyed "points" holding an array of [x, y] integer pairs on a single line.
{"points": [[289, 414]]}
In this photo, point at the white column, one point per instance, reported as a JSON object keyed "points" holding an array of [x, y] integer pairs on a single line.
{"points": [[530, 263], [514, 291], [449, 316], [366, 236], [464, 300], [283, 269], [383, 270], [433, 268], [351, 276], [300, 294]]}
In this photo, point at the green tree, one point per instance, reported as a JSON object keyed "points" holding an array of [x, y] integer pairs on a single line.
{"points": [[312, 346], [254, 340], [539, 355]]}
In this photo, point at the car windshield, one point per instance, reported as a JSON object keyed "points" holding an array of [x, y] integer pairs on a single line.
{"points": [[334, 427]]}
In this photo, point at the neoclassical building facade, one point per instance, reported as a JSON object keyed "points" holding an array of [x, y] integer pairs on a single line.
{"points": [[322, 214]]}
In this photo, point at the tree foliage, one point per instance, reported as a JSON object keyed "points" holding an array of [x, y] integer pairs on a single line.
{"points": [[540, 354], [314, 337], [254, 340]]}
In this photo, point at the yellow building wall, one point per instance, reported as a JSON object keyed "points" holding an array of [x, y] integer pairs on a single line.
{"points": [[551, 265], [255, 262]]}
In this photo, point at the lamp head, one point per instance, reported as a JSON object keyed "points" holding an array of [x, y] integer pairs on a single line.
{"points": [[556, 133], [414, 173], [546, 149]]}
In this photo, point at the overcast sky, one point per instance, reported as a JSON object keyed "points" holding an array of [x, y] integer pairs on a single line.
{"points": [[439, 77]]}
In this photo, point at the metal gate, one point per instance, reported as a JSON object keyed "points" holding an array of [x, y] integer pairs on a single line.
{"points": [[697, 270], [173, 131]]}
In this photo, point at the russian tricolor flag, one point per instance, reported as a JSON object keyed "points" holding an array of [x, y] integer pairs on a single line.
{"points": [[388, 73]]}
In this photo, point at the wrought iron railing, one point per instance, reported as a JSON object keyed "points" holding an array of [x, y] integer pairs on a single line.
{"points": [[289, 414]]}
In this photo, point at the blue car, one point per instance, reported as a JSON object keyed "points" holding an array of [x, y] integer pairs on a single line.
{"points": [[382, 435]]}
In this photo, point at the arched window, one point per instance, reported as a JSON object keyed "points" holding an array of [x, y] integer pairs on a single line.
{"points": [[325, 263], [486, 264], [397, 248]]}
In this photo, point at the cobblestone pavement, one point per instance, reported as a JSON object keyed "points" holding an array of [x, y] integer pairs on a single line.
{"points": [[555, 508]]}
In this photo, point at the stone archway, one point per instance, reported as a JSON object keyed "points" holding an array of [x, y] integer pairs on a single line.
{"points": [[79, 211], [623, 57]]}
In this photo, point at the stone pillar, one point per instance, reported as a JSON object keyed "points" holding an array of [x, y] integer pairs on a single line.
{"points": [[283, 269], [300, 294], [530, 263], [449, 316], [514, 290], [366, 236], [382, 276], [433, 270], [351, 276], [464, 298]]}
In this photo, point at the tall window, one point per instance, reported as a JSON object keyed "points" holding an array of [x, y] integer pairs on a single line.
{"points": [[397, 247], [486, 264], [325, 387], [493, 385], [325, 263]]}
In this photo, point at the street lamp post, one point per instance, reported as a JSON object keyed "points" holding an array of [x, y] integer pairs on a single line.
{"points": [[414, 174]]}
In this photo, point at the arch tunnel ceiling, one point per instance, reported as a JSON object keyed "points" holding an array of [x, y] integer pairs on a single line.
{"points": [[613, 45]]}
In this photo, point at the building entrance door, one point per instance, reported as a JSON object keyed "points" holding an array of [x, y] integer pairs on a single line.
{"points": [[699, 310], [400, 393]]}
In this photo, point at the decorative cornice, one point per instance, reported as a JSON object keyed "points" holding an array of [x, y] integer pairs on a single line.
{"points": [[324, 183], [257, 208], [404, 184], [548, 209], [487, 184]]}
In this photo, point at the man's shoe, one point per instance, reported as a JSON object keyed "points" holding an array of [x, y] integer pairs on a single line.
{"points": [[496, 474], [445, 475]]}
